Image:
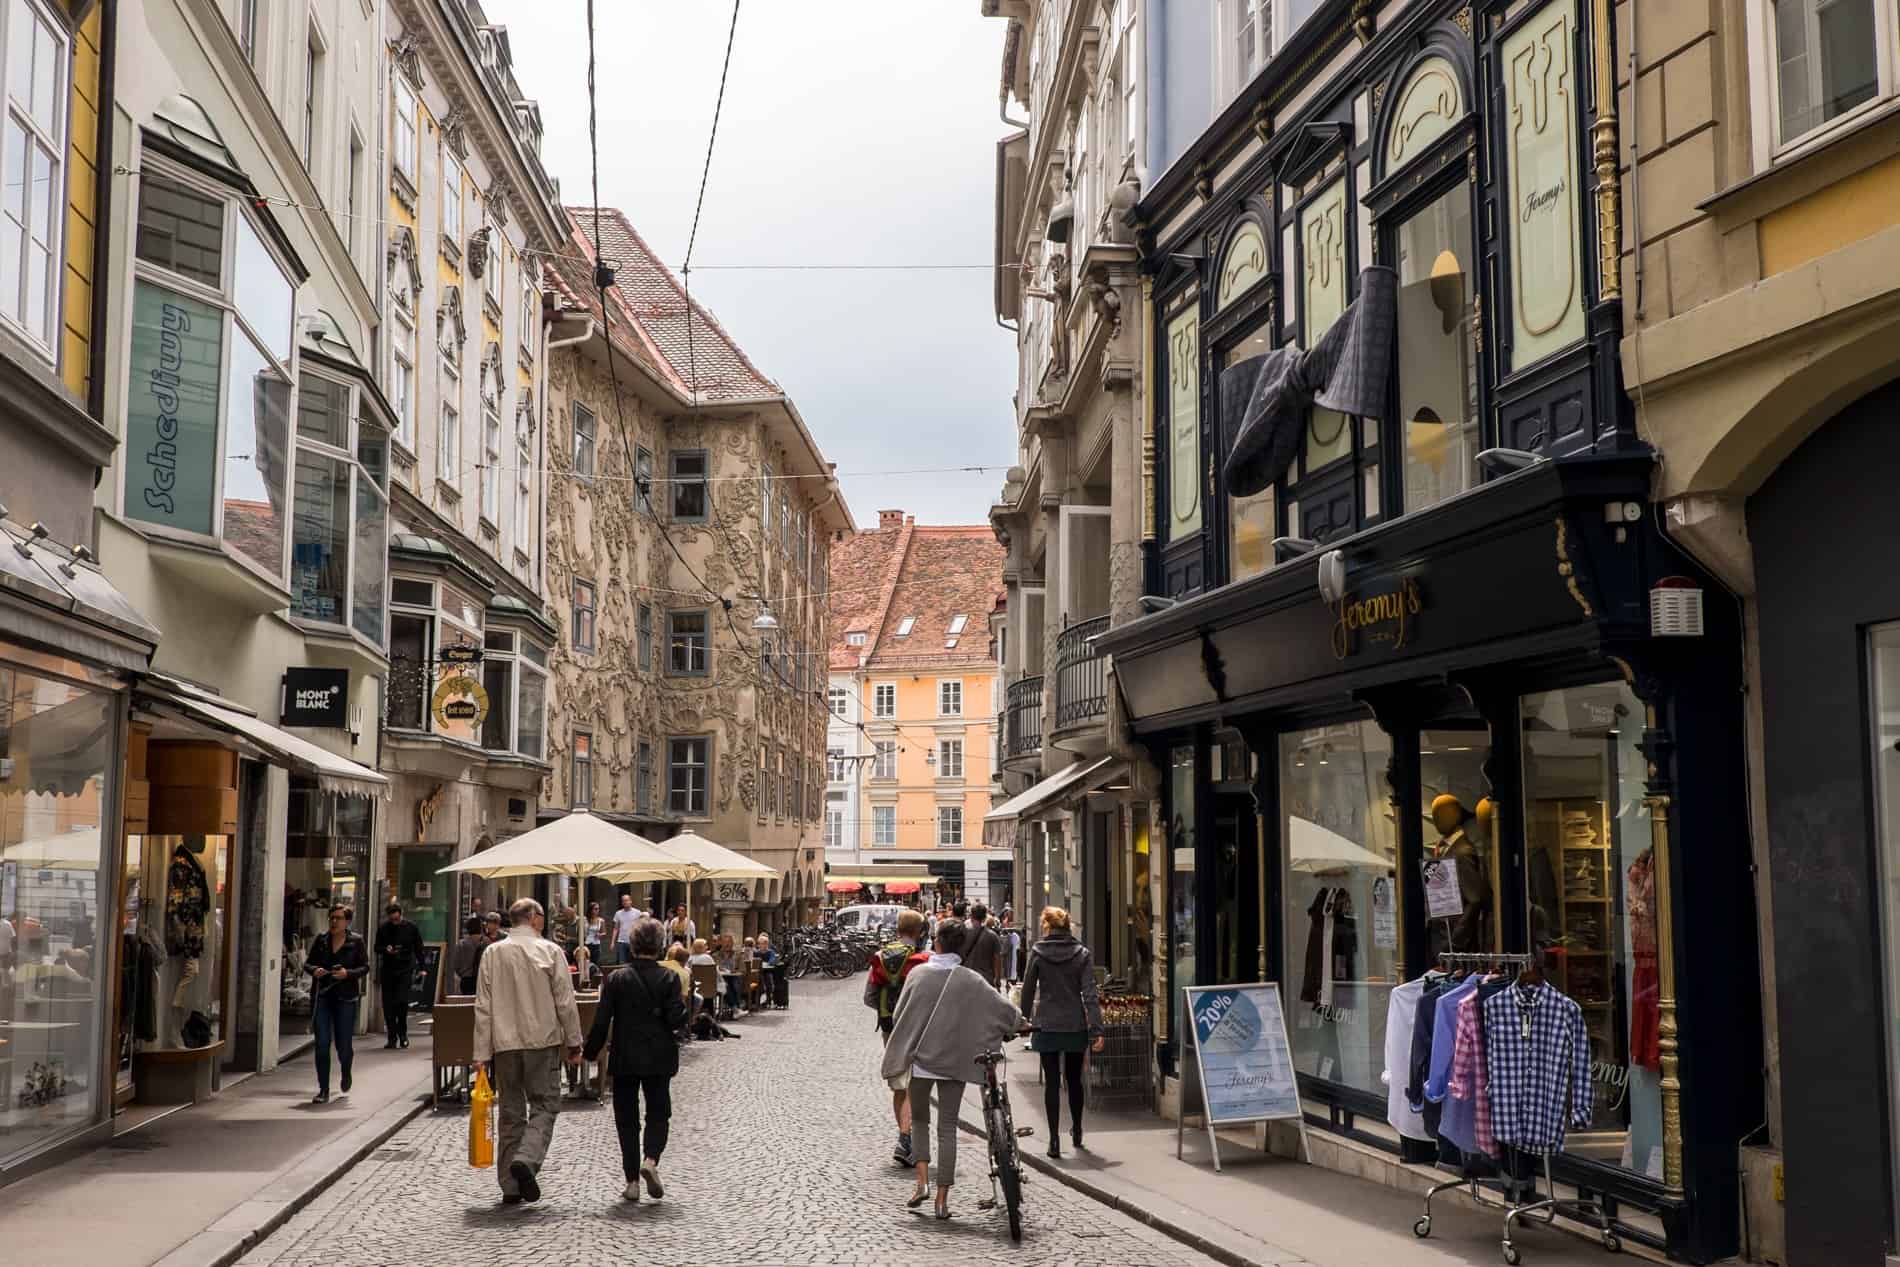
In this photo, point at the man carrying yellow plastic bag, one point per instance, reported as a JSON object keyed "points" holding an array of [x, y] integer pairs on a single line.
{"points": [[524, 1017], [481, 1123]]}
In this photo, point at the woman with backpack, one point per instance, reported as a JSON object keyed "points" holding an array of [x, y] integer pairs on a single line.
{"points": [[641, 1008], [882, 985], [1059, 996]]}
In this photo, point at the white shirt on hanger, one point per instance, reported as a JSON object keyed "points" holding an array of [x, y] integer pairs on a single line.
{"points": [[1401, 1012]]}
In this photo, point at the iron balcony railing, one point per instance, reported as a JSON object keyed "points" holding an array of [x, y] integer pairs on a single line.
{"points": [[1081, 673], [1023, 706]]}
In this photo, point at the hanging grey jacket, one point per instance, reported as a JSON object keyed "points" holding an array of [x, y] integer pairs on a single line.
{"points": [[1059, 986]]}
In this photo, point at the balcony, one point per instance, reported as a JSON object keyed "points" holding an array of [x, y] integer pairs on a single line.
{"points": [[1081, 678], [1022, 723]]}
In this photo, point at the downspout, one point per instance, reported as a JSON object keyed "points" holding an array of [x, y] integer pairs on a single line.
{"points": [[102, 237]]}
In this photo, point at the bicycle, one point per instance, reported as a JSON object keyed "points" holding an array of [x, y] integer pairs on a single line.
{"points": [[1006, 1171]]}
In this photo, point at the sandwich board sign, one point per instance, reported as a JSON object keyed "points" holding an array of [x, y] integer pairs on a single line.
{"points": [[1243, 1060]]}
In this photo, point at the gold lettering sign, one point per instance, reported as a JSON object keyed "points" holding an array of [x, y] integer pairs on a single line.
{"points": [[459, 699], [1541, 162], [1184, 426], [1383, 617]]}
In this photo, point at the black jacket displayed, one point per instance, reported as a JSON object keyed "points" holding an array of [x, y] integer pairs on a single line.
{"points": [[398, 946], [642, 1006], [354, 957]]}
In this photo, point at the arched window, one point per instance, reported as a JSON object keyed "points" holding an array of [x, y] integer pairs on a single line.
{"points": [[1244, 264], [1430, 103]]}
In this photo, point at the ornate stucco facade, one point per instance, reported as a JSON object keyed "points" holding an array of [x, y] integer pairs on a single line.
{"points": [[673, 524]]}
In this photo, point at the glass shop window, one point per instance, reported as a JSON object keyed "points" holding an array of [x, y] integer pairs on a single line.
{"points": [[1437, 371]]}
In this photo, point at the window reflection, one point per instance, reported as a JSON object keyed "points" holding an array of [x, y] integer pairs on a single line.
{"points": [[1438, 389], [1250, 526]]}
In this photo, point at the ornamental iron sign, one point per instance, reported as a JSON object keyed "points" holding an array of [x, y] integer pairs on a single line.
{"points": [[459, 698]]}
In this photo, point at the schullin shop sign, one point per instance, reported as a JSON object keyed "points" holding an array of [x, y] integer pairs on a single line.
{"points": [[316, 697]]}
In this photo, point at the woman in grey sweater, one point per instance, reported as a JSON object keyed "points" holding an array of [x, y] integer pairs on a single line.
{"points": [[946, 1017], [1059, 996]]}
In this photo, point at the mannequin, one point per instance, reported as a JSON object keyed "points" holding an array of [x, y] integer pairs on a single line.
{"points": [[1468, 856], [187, 912]]}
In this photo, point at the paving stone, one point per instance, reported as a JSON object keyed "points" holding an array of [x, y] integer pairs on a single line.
{"points": [[779, 1154]]}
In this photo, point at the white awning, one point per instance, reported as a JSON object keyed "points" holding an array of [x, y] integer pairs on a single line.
{"points": [[1080, 777], [332, 773]]}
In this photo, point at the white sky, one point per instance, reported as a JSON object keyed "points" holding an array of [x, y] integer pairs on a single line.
{"points": [[854, 131]]}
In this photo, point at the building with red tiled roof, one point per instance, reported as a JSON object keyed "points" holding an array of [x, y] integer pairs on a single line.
{"points": [[913, 678]]}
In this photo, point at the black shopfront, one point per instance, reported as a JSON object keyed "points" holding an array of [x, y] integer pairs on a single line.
{"points": [[1454, 631]]}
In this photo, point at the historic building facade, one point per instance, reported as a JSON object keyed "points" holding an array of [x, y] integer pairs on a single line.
{"points": [[911, 693], [469, 213], [1069, 515], [689, 525]]}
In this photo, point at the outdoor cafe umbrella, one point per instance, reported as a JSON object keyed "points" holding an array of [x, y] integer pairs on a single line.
{"points": [[842, 886], [62, 850], [1319, 849], [713, 861], [580, 845]]}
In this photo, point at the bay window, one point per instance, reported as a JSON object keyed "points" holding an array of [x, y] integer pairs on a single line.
{"points": [[208, 409], [32, 146], [340, 510], [531, 704], [498, 679]]}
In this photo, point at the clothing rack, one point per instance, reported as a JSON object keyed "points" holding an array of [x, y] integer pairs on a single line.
{"points": [[1544, 1209]]}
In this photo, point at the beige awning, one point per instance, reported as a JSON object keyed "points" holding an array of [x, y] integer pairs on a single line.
{"points": [[715, 861], [76, 850], [1080, 777], [578, 844], [332, 773]]}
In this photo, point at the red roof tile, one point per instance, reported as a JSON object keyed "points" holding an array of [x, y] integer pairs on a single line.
{"points": [[930, 575]]}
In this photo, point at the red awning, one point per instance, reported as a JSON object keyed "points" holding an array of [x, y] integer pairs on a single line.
{"points": [[842, 886], [901, 886]]}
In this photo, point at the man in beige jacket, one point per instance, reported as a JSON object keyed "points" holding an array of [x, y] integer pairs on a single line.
{"points": [[524, 1016]]}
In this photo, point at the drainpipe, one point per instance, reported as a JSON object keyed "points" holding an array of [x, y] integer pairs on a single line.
{"points": [[102, 238], [584, 336]]}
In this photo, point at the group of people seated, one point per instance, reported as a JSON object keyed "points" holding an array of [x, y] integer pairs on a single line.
{"points": [[730, 960]]}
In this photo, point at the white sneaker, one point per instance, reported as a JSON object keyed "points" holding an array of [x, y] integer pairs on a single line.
{"points": [[632, 1192], [650, 1171]]}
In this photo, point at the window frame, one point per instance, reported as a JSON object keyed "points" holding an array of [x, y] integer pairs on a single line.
{"points": [[946, 749], [643, 633], [880, 692], [452, 175], [402, 359], [524, 481], [704, 765], [1764, 75], [673, 643], [884, 759], [316, 53], [946, 689], [949, 821], [580, 769], [583, 456], [643, 479], [643, 779], [489, 499], [884, 826], [679, 485], [403, 122], [350, 454], [837, 700], [582, 615]]}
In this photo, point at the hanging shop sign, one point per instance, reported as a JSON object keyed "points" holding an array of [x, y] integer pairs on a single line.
{"points": [[459, 698], [316, 697], [460, 655], [1385, 617]]}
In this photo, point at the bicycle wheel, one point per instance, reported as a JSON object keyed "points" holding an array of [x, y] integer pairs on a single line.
{"points": [[1003, 1162]]}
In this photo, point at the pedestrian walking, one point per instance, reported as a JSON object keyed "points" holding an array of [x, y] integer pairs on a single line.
{"points": [[947, 1016], [641, 1011], [984, 953], [894, 962], [624, 919], [524, 1017], [398, 946], [466, 957], [337, 963], [680, 928], [1060, 999]]}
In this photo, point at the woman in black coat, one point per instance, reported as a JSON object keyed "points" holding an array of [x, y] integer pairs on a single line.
{"points": [[642, 1009], [1059, 998]]}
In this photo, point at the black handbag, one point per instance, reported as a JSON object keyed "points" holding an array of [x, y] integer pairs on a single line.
{"points": [[196, 1031]]}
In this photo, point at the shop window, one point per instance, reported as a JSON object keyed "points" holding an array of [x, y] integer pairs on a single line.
{"points": [[1339, 841], [211, 426], [884, 825], [687, 767], [686, 641], [339, 500], [57, 759], [1181, 894], [1461, 835], [580, 781], [1593, 903], [690, 500], [32, 145], [1437, 370]]}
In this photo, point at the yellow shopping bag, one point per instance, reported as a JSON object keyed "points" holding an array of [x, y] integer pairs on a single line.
{"points": [[481, 1123]]}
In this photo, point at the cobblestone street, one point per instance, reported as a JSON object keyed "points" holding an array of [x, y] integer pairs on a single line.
{"points": [[780, 1153]]}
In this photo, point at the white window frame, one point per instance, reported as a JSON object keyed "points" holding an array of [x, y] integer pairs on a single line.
{"points": [[880, 692], [950, 691], [316, 55], [949, 758], [949, 824], [524, 486], [448, 445], [884, 759], [402, 374], [904, 627], [491, 462], [404, 143], [856, 638], [452, 197], [349, 454], [884, 826], [52, 142], [491, 273], [834, 829], [530, 317], [1770, 147]]}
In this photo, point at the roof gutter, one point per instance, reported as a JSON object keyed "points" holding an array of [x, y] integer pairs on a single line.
{"points": [[568, 341]]}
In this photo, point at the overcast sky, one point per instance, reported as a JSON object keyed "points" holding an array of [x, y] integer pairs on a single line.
{"points": [[854, 132]]}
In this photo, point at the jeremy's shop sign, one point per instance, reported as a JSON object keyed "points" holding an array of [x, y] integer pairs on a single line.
{"points": [[317, 697]]}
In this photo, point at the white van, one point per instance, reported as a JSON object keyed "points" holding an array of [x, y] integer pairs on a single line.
{"points": [[851, 918]]}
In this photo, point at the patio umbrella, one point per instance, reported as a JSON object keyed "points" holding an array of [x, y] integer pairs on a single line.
{"points": [[579, 845], [901, 886], [842, 886], [62, 850], [1315, 848], [714, 861]]}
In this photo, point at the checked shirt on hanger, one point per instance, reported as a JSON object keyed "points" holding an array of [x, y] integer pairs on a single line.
{"points": [[1537, 1053]]}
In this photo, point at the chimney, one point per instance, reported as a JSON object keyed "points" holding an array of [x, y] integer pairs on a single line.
{"points": [[887, 519]]}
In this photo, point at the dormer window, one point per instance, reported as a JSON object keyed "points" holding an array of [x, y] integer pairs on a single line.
{"points": [[957, 624], [856, 639], [905, 625]]}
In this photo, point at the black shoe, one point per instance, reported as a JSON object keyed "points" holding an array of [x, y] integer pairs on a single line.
{"points": [[523, 1175], [511, 1198], [404, 1043], [1075, 1137], [321, 1097], [1055, 1150], [390, 1045], [346, 1082]]}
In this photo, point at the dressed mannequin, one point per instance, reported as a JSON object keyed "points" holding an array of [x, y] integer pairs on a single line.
{"points": [[187, 930], [1469, 857]]}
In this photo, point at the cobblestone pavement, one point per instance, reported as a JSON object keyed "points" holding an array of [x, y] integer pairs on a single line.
{"points": [[780, 1153]]}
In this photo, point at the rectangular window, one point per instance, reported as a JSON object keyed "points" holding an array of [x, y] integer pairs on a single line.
{"points": [[644, 647], [580, 783], [533, 706], [950, 825], [247, 28], [353, 196], [208, 438], [905, 625], [688, 470], [957, 625], [498, 679], [834, 765], [765, 498], [773, 777], [835, 697], [949, 758], [834, 829], [491, 464], [312, 91], [491, 275], [405, 129], [686, 773], [583, 616], [402, 375], [884, 825], [1826, 61], [950, 698], [530, 317], [884, 700], [643, 780], [524, 485], [643, 479], [885, 764], [451, 198], [686, 642], [1438, 373], [583, 441], [448, 446]]}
